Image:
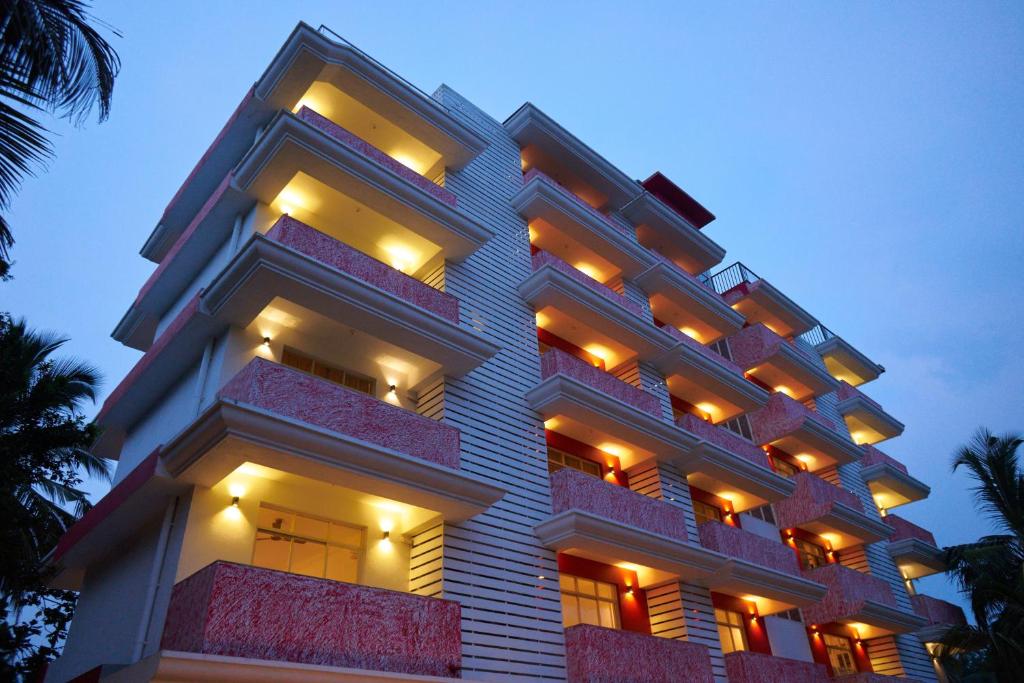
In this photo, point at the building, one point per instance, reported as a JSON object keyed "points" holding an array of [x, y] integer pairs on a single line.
{"points": [[433, 396]]}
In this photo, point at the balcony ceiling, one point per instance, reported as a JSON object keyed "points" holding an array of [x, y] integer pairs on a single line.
{"points": [[846, 363], [760, 302]]}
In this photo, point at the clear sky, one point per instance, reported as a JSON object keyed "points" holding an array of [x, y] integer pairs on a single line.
{"points": [[866, 158]]}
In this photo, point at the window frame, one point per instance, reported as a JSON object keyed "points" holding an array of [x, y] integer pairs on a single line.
{"points": [[292, 536], [554, 465], [803, 553], [724, 621], [703, 506], [595, 596], [844, 647], [315, 363]]}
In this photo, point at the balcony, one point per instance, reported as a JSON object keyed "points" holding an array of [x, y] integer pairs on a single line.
{"points": [[938, 614], [833, 513], [858, 599], [762, 568], [867, 421], [842, 359], [669, 233], [759, 302], [593, 653], [684, 302], [607, 523], [284, 419], [233, 611], [564, 225], [782, 365], [755, 667], [703, 378], [890, 483], [578, 308], [726, 464], [914, 549], [595, 407], [803, 433]]}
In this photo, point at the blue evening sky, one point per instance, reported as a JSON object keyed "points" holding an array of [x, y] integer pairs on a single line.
{"points": [[866, 158]]}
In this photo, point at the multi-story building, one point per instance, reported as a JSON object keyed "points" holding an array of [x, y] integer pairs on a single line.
{"points": [[428, 396]]}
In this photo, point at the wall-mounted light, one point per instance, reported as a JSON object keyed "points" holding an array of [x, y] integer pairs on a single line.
{"points": [[234, 501], [392, 388], [629, 590], [266, 341], [386, 534]]}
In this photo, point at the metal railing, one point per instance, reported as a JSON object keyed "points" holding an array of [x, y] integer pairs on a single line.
{"points": [[729, 277], [819, 334]]}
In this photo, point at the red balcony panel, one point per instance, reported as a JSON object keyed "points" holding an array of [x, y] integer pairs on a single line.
{"points": [[905, 529], [756, 667], [368, 150], [783, 415], [543, 258], [556, 361], [535, 173], [296, 395], [848, 589], [723, 438], [703, 350], [870, 677], [603, 655], [573, 490], [326, 249], [847, 391], [873, 456], [235, 610], [743, 545], [755, 344], [813, 498], [938, 612]]}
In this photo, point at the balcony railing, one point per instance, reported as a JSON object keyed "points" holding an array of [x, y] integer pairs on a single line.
{"points": [[724, 439], [902, 529], [938, 612], [326, 249], [593, 653], [234, 610], [756, 344], [819, 334], [366, 149], [744, 545], [848, 589], [730, 277], [783, 415], [296, 395], [703, 350], [573, 490], [543, 258], [812, 499], [755, 667], [873, 456], [540, 175], [555, 362]]}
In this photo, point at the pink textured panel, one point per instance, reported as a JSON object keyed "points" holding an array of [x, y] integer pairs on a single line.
{"points": [[366, 149], [556, 361], [756, 667], [938, 612], [723, 438], [744, 545], [812, 499], [238, 611], [703, 350], [571, 489], [848, 589], [534, 173], [904, 529], [873, 456], [326, 249], [756, 344], [297, 395], [603, 655], [148, 358], [847, 391], [543, 258], [781, 416], [869, 677]]}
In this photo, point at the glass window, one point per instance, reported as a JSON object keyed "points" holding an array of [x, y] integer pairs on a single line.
{"points": [[706, 513], [585, 601], [731, 630], [810, 554], [840, 655], [763, 513], [302, 544], [347, 378], [558, 459], [784, 468], [740, 425]]}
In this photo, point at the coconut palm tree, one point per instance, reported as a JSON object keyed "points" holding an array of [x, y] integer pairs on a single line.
{"points": [[51, 60], [990, 572]]}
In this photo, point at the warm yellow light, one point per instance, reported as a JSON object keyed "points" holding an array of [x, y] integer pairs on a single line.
{"points": [[236, 489], [692, 333], [832, 539], [532, 232], [551, 423], [805, 459], [400, 256], [727, 496], [772, 328], [783, 389], [288, 201], [614, 449], [387, 524], [542, 319], [587, 269], [709, 408], [404, 159], [628, 566], [860, 437], [602, 352]]}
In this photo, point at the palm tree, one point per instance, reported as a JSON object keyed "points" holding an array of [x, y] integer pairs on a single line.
{"points": [[990, 571], [51, 60]]}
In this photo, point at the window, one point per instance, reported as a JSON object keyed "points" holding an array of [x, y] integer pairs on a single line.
{"points": [[345, 378], [840, 655], [721, 347], [588, 602], [306, 545], [730, 630], [811, 555], [558, 459], [790, 614], [784, 468], [706, 513], [740, 425], [763, 513]]}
